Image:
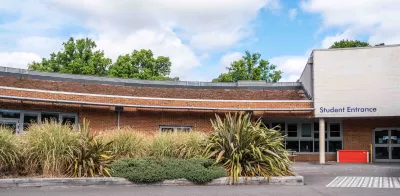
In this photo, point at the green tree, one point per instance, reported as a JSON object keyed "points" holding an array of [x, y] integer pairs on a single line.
{"points": [[250, 67], [77, 57], [349, 44], [141, 64]]}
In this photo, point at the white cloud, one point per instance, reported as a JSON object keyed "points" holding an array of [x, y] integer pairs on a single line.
{"points": [[377, 19], [292, 13], [17, 59], [186, 31], [292, 66], [227, 59]]}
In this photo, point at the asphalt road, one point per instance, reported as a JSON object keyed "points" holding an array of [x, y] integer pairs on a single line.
{"points": [[316, 178]]}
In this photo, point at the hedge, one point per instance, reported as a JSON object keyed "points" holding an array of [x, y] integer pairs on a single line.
{"points": [[149, 170]]}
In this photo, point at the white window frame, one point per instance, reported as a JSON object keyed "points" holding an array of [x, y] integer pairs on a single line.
{"points": [[20, 120]]}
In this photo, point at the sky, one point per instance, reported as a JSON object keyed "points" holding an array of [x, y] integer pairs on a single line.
{"points": [[201, 37]]}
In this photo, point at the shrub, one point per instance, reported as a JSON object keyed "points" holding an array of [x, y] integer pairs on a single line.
{"points": [[149, 170], [47, 148], [125, 143], [91, 157], [9, 150], [178, 145], [247, 149]]}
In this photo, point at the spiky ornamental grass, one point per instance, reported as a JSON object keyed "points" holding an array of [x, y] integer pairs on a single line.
{"points": [[247, 149], [10, 151]]}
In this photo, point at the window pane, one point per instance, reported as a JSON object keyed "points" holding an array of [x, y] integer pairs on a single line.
{"points": [[167, 130], [334, 129], [292, 130], [306, 130], [316, 146], [306, 146], [7, 114], [30, 118], [292, 146], [49, 117], [68, 120], [334, 146], [183, 129], [279, 126]]}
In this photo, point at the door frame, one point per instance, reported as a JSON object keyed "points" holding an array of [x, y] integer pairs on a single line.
{"points": [[388, 145]]}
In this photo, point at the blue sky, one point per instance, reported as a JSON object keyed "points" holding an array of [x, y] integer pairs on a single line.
{"points": [[201, 37]]}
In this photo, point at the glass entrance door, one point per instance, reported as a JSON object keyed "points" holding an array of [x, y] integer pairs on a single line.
{"points": [[386, 145]]}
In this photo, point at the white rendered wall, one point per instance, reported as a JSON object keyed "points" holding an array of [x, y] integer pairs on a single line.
{"points": [[363, 78]]}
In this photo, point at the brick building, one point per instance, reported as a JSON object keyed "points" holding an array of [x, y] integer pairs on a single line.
{"points": [[350, 96]]}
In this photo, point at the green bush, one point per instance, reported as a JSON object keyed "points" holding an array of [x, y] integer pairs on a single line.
{"points": [[247, 149], [47, 147], [125, 143], [177, 145], [9, 150], [149, 170]]}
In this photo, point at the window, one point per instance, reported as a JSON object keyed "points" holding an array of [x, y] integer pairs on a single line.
{"points": [[9, 114], [29, 118], [334, 129], [306, 130], [171, 129], [292, 146], [304, 136], [49, 117], [68, 119], [279, 126], [292, 130]]}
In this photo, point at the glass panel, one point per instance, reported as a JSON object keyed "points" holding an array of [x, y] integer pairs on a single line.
{"points": [[30, 118], [68, 120], [279, 126], [396, 153], [381, 137], [167, 130], [334, 146], [9, 125], [183, 129], [292, 146], [49, 117], [306, 146], [334, 129], [306, 130], [381, 153], [395, 136], [292, 130], [7, 114], [316, 146]]}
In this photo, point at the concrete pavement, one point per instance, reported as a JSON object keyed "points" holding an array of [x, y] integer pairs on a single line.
{"points": [[317, 177]]}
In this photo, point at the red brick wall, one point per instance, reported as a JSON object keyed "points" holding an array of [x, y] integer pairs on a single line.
{"points": [[314, 157], [358, 132], [187, 93]]}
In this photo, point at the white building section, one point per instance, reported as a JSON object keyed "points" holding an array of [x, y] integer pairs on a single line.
{"points": [[357, 82]]}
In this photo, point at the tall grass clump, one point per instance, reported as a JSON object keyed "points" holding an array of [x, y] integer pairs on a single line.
{"points": [[125, 143], [184, 145], [247, 149], [47, 148], [9, 150]]}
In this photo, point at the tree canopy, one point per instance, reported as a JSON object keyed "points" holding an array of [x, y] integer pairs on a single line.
{"points": [[141, 64], [349, 44], [250, 67], [80, 57], [76, 57]]}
